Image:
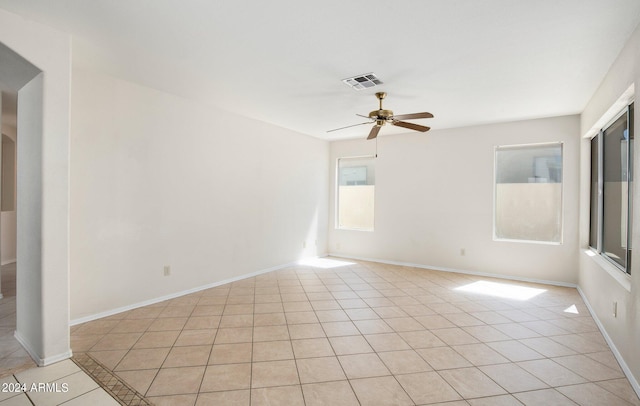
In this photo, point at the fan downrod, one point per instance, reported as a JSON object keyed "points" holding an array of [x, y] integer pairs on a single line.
{"points": [[381, 116]]}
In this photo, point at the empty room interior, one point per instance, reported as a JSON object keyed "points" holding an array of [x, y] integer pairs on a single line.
{"points": [[346, 203]]}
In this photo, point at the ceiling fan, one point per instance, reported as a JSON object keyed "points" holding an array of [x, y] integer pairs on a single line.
{"points": [[381, 117]]}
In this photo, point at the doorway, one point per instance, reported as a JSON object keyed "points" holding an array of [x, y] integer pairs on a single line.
{"points": [[13, 357], [35, 63]]}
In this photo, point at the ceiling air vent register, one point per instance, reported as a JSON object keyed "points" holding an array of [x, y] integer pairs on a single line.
{"points": [[363, 81]]}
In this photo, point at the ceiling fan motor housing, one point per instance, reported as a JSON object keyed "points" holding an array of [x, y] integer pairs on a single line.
{"points": [[381, 115]]}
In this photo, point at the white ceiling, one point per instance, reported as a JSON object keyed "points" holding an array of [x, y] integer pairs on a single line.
{"points": [[466, 61]]}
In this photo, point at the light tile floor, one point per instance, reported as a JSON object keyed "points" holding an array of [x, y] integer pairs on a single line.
{"points": [[62, 383], [361, 333], [13, 358], [21, 382]]}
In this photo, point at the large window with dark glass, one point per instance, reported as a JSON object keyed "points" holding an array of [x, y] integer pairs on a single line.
{"points": [[612, 190]]}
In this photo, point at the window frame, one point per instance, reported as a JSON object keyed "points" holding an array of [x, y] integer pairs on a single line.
{"points": [[495, 194], [337, 195], [629, 111]]}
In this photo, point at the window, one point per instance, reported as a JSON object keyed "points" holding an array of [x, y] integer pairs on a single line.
{"points": [[611, 190], [356, 190], [528, 193]]}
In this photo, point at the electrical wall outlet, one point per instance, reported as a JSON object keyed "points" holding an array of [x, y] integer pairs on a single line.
{"points": [[462, 252], [615, 309], [167, 270], [304, 244]]}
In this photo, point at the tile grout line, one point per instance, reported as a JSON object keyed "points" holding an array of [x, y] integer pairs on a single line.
{"points": [[134, 344], [178, 337], [295, 359], [253, 328], [365, 339], [213, 343]]}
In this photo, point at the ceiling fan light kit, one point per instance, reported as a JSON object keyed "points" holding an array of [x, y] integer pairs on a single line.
{"points": [[382, 116]]}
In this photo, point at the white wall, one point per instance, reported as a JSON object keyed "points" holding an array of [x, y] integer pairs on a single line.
{"points": [[601, 284], [29, 274], [159, 180], [434, 197], [37, 60]]}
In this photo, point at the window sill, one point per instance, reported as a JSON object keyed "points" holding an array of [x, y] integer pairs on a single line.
{"points": [[621, 277], [527, 241], [366, 230]]}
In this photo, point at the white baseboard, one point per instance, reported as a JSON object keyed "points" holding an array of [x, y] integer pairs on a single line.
{"points": [[633, 381], [462, 271], [179, 294], [41, 362], [55, 358], [625, 368]]}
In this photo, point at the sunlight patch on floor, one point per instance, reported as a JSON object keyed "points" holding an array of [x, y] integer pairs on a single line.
{"points": [[503, 290], [324, 263], [572, 309]]}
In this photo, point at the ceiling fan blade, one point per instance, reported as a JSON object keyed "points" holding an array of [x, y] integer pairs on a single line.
{"points": [[349, 126], [411, 126], [374, 132], [412, 116], [362, 115]]}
